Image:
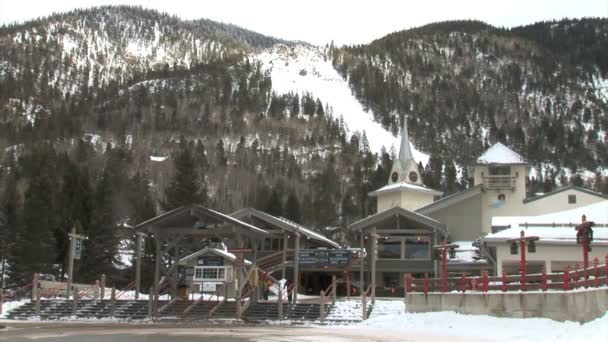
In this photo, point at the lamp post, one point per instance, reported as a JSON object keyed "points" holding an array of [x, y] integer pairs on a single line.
{"points": [[584, 236], [443, 248], [531, 248]]}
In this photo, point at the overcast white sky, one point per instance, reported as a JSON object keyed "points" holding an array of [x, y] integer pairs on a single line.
{"points": [[320, 21]]}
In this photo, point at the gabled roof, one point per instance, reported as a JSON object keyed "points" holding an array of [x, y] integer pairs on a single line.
{"points": [[500, 154], [450, 200], [216, 251], [194, 211], [283, 223], [372, 221], [565, 188], [405, 185]]}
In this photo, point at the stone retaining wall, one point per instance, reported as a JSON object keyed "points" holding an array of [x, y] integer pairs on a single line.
{"points": [[579, 305]]}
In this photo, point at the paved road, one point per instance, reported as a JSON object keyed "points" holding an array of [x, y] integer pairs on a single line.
{"points": [[105, 332]]}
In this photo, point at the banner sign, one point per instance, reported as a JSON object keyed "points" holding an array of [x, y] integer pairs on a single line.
{"points": [[210, 260], [324, 257]]}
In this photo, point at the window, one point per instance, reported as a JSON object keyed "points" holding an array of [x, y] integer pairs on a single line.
{"points": [[499, 170], [417, 248], [389, 249], [212, 273], [571, 199], [502, 197]]}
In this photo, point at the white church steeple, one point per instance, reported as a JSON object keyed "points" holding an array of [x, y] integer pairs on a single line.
{"points": [[404, 167]]}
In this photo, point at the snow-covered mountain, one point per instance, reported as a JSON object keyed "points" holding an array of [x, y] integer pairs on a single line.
{"points": [[306, 69]]}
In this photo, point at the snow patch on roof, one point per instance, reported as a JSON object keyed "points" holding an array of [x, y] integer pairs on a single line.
{"points": [[405, 185], [597, 212], [547, 234], [500, 154], [158, 158]]}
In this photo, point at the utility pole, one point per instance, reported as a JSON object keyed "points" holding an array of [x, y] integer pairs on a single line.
{"points": [[74, 252], [139, 246]]}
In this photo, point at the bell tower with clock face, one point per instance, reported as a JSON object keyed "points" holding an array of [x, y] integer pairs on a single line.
{"points": [[404, 188], [405, 169]]}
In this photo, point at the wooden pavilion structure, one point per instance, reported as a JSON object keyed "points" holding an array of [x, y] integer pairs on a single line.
{"points": [[185, 230], [397, 241]]}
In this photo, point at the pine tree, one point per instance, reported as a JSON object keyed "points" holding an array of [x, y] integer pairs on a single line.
{"points": [[292, 208], [35, 250], [185, 187], [100, 251], [274, 206]]}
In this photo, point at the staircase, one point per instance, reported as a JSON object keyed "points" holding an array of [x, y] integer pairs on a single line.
{"points": [[387, 307], [57, 309], [346, 311], [298, 312]]}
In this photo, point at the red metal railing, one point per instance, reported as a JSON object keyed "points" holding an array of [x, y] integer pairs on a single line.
{"points": [[597, 275], [128, 288]]}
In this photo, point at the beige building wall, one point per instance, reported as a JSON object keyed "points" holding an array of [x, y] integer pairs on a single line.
{"points": [[555, 257], [410, 200], [461, 219], [559, 202], [512, 205]]}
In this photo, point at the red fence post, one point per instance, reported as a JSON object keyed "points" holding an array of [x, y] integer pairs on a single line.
{"points": [[426, 283], [543, 280], [575, 277], [463, 282], [567, 278], [486, 281], [408, 282], [503, 287], [596, 272], [606, 265]]}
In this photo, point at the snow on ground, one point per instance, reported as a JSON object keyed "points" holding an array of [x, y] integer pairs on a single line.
{"points": [[451, 324], [303, 69], [8, 306]]}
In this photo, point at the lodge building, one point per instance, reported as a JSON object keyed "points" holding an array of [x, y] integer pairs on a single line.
{"points": [[411, 218]]}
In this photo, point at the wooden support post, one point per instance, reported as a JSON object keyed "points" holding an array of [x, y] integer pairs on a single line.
{"points": [[280, 302], [113, 301], [72, 246], [333, 289], [154, 294], [97, 291], [34, 286], [296, 268], [151, 302], [237, 292], [285, 244], [37, 305], [363, 306], [322, 307], [373, 266], [139, 245], [362, 265], [102, 290], [75, 302]]}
